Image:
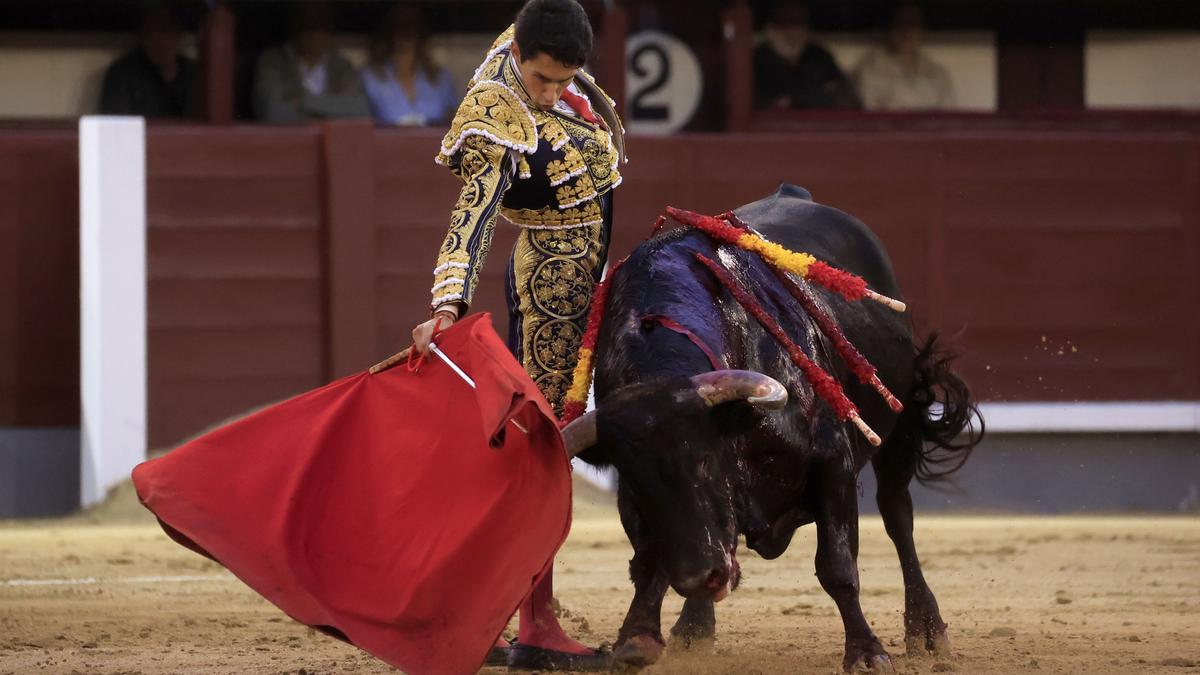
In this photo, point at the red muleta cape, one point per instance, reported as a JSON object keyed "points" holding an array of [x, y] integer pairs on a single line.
{"points": [[403, 512]]}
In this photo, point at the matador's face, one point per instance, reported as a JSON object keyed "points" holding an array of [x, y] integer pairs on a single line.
{"points": [[544, 78]]}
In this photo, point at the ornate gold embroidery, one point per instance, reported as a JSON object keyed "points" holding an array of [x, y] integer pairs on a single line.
{"points": [[570, 243], [469, 237], [556, 344], [493, 111], [468, 196], [452, 252], [587, 213], [580, 190], [555, 270], [553, 133], [554, 387], [493, 59], [506, 37], [561, 288], [596, 148], [561, 170], [490, 69], [597, 156]]}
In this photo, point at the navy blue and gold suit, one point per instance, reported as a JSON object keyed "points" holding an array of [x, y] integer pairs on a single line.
{"points": [[550, 173]]}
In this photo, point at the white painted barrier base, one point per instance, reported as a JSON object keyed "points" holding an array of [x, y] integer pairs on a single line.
{"points": [[1038, 418], [1102, 417]]}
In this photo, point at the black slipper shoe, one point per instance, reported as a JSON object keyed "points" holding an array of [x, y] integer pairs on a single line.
{"points": [[498, 656], [527, 657]]}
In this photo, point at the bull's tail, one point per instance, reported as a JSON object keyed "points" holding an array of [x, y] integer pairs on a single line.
{"points": [[951, 433]]}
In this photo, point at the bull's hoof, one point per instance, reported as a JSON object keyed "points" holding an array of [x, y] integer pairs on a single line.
{"points": [[693, 636], [868, 657], [924, 644], [926, 634], [638, 651], [875, 663], [700, 643]]}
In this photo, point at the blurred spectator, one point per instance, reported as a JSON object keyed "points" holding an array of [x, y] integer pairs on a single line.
{"points": [[402, 83], [899, 75], [792, 71], [305, 78], [152, 79]]}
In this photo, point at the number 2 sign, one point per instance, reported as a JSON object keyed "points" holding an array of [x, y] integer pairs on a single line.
{"points": [[664, 83]]}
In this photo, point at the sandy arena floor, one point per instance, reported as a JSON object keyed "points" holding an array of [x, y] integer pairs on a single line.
{"points": [[1056, 595]]}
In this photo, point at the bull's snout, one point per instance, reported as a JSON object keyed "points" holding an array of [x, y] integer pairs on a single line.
{"points": [[715, 583]]}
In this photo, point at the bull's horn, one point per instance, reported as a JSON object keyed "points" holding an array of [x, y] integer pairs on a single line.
{"points": [[580, 434], [721, 386]]}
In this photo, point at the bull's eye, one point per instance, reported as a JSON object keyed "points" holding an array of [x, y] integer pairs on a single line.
{"points": [[648, 325]]}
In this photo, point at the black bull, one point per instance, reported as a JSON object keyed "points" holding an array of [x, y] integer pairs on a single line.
{"points": [[693, 476]]}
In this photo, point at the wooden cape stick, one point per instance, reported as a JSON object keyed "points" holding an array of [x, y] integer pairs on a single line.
{"points": [[390, 362]]}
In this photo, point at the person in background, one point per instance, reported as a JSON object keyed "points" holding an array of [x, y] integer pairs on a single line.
{"points": [[793, 71], [305, 78], [402, 83], [899, 75], [153, 79]]}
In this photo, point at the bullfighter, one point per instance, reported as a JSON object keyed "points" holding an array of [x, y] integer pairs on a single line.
{"points": [[536, 141]]}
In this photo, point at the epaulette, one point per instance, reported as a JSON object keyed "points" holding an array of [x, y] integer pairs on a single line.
{"points": [[492, 110], [491, 63]]}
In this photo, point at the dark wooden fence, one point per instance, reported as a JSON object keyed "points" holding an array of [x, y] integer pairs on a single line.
{"points": [[1066, 264], [39, 277]]}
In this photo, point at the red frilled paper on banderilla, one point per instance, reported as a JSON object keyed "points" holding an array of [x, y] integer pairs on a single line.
{"points": [[404, 512]]}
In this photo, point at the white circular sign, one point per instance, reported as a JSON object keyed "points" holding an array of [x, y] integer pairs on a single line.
{"points": [[663, 83]]}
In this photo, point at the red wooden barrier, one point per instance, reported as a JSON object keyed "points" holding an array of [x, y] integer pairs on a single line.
{"points": [[39, 277], [235, 272], [283, 257]]}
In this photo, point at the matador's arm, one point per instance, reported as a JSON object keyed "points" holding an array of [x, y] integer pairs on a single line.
{"points": [[486, 171]]}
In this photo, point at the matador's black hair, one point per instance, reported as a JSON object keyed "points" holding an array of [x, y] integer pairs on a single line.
{"points": [[559, 28]]}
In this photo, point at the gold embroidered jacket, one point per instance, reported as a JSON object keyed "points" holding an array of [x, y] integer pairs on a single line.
{"points": [[540, 169]]}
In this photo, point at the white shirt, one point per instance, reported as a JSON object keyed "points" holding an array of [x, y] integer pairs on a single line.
{"points": [[313, 77], [885, 84]]}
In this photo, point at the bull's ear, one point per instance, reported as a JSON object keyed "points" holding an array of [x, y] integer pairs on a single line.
{"points": [[580, 434], [722, 386]]}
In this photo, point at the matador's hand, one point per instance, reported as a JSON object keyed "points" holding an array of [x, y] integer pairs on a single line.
{"points": [[423, 334]]}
